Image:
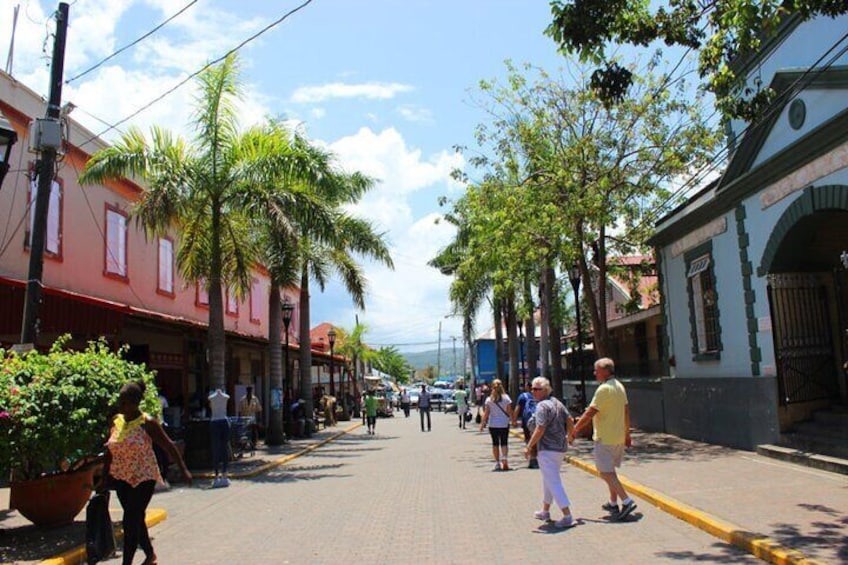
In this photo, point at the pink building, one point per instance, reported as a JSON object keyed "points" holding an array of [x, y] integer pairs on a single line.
{"points": [[104, 277]]}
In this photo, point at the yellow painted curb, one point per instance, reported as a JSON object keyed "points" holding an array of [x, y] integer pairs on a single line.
{"points": [[756, 544], [77, 555], [282, 460]]}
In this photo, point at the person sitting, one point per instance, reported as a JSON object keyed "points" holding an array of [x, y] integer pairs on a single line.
{"points": [[249, 407]]}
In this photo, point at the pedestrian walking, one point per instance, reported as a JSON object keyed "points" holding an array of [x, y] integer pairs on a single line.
{"points": [[424, 406], [219, 431], [609, 413], [525, 407], [497, 414], [550, 423], [460, 397], [130, 467], [371, 411], [404, 401], [250, 407]]}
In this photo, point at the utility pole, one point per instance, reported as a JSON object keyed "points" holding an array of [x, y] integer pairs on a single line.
{"points": [[48, 142], [439, 354], [453, 337]]}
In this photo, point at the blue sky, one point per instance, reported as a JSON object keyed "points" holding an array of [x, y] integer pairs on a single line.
{"points": [[385, 84]]}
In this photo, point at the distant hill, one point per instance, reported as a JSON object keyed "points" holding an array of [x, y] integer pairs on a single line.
{"points": [[423, 359]]}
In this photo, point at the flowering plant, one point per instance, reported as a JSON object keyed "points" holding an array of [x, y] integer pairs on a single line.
{"points": [[55, 407]]}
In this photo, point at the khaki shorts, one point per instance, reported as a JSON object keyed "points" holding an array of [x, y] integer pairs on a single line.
{"points": [[608, 457]]}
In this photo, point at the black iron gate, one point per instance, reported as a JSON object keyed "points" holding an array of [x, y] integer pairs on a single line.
{"points": [[803, 341]]}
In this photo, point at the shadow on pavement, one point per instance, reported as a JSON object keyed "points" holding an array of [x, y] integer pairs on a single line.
{"points": [[826, 534], [299, 473], [653, 447], [28, 543], [723, 553]]}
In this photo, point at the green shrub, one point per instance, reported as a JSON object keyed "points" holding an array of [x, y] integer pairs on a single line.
{"points": [[55, 408]]}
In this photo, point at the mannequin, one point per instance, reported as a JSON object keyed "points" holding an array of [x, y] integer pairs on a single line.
{"points": [[219, 428]]}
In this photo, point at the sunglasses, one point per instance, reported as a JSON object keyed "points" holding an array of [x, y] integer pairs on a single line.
{"points": [[536, 388]]}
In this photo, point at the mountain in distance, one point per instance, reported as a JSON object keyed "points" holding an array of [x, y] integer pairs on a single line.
{"points": [[423, 359]]}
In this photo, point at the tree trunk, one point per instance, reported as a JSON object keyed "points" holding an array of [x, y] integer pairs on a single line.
{"points": [[595, 297], [512, 344], [275, 355], [305, 348], [217, 343], [531, 350], [555, 335], [499, 354], [545, 323]]}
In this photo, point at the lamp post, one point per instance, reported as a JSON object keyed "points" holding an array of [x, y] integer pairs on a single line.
{"points": [[331, 337], [8, 137], [287, 308], [574, 276]]}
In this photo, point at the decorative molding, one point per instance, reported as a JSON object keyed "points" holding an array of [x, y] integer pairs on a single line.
{"points": [[806, 175], [750, 295], [699, 236]]}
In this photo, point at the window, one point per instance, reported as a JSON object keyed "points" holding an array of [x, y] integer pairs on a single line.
{"points": [[255, 300], [703, 303], [202, 297], [116, 243], [232, 303], [53, 234], [166, 267]]}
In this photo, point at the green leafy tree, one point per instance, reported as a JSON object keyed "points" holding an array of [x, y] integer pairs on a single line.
{"points": [[724, 31], [572, 179]]}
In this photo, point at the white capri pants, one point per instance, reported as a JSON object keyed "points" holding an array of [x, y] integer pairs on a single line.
{"points": [[552, 489]]}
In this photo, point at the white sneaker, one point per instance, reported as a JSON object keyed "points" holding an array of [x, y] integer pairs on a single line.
{"points": [[542, 515], [565, 522], [497, 466]]}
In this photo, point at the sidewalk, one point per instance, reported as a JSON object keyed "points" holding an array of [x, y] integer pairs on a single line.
{"points": [[778, 511], [22, 543], [781, 512]]}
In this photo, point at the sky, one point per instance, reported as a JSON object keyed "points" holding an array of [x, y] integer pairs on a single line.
{"points": [[387, 85]]}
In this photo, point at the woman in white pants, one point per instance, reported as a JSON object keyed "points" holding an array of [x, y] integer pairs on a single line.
{"points": [[550, 424]]}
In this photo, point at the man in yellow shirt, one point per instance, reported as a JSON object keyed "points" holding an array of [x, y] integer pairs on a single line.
{"points": [[609, 413]]}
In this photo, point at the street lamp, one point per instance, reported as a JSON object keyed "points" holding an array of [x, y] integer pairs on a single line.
{"points": [[574, 276], [287, 308], [8, 137], [331, 336]]}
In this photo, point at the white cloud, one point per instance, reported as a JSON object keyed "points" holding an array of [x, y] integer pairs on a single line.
{"points": [[318, 113], [370, 90], [385, 156], [416, 114]]}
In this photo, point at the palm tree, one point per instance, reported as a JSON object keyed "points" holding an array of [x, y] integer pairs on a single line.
{"points": [[284, 208], [199, 188], [319, 259]]}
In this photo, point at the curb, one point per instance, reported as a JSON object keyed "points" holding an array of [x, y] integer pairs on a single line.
{"points": [[282, 460], [154, 516], [756, 544], [77, 555]]}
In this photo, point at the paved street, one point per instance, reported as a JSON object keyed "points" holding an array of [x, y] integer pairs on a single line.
{"points": [[404, 496]]}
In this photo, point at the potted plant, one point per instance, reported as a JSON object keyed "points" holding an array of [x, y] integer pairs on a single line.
{"points": [[54, 419]]}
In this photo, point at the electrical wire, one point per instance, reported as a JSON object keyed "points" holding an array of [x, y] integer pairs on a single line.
{"points": [[132, 44], [777, 104], [196, 73]]}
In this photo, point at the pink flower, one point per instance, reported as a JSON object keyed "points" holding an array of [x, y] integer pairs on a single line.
{"points": [[5, 415]]}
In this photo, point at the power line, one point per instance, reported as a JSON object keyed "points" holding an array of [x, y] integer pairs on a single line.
{"points": [[136, 42], [790, 92], [196, 73]]}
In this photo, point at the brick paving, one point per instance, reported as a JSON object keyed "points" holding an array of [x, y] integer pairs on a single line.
{"points": [[403, 496]]}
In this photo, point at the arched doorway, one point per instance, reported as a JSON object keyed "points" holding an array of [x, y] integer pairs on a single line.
{"points": [[808, 294]]}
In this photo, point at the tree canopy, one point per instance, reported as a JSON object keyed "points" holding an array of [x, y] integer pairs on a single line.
{"points": [[724, 31]]}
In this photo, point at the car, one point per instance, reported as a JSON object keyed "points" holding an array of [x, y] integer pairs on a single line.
{"points": [[439, 397]]}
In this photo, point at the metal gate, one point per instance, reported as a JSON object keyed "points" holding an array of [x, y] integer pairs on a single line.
{"points": [[803, 342]]}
